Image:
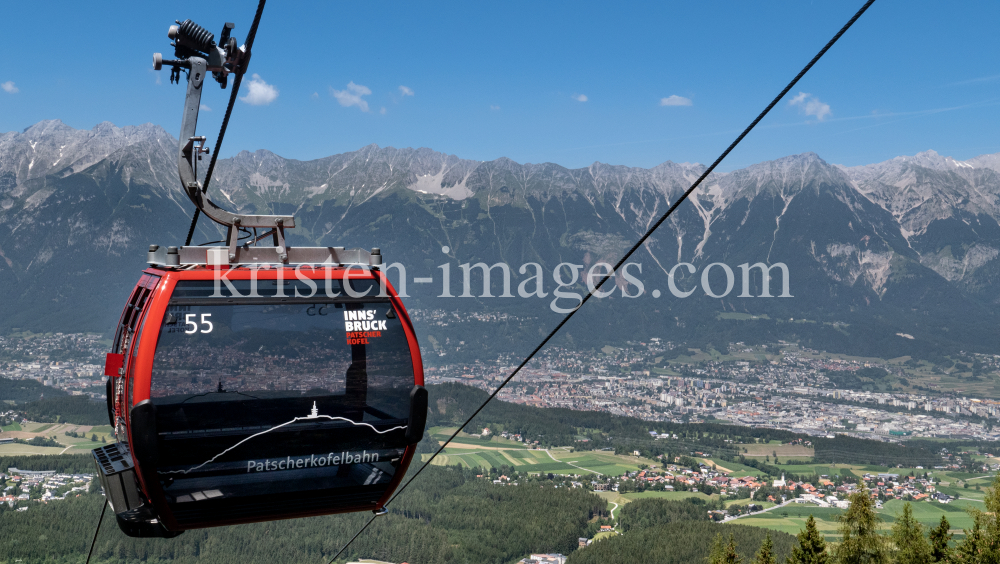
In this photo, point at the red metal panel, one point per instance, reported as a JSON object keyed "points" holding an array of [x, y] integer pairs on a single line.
{"points": [[113, 363]]}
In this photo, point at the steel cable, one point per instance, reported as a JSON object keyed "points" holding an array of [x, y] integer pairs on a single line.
{"points": [[104, 507]]}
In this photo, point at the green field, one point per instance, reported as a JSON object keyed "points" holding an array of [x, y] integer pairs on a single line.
{"points": [[832, 470], [760, 450], [495, 441], [791, 518], [15, 426], [667, 495], [736, 469], [556, 461], [11, 449]]}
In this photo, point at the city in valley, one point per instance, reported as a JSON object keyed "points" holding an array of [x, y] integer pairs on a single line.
{"points": [[780, 385]]}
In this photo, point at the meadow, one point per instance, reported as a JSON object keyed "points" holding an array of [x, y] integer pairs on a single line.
{"points": [[471, 451], [792, 518]]}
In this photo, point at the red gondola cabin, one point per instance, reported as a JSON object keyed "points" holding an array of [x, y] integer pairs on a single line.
{"points": [[256, 393]]}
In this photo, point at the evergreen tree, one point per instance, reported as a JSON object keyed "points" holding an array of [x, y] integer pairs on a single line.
{"points": [[939, 541], [731, 556], [811, 548], [718, 549], [766, 553], [982, 543], [724, 553], [861, 542], [908, 535]]}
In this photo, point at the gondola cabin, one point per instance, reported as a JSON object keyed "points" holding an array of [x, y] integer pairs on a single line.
{"points": [[252, 393]]}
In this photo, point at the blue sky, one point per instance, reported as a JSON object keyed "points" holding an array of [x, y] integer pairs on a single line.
{"points": [[570, 83]]}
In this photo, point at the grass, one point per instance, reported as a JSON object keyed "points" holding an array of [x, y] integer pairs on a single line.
{"points": [[604, 535], [43, 428], [666, 495], [556, 461], [15, 426], [784, 451], [791, 518], [736, 469], [11, 449], [825, 469], [613, 497]]}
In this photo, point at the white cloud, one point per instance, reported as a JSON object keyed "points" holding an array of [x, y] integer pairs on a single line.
{"points": [[9, 87], [405, 91], [382, 111], [580, 97], [810, 105], [315, 96], [260, 92], [494, 108], [352, 96], [205, 108], [675, 100]]}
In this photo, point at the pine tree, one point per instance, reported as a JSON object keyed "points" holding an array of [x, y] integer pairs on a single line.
{"points": [[982, 543], [718, 549], [766, 553], [908, 535], [939, 541], [812, 547], [731, 556], [861, 542], [724, 553]]}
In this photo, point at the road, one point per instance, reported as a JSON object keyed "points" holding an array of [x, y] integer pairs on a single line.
{"points": [[570, 463]]}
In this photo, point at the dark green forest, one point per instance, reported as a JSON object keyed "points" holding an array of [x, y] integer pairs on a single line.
{"points": [[80, 410], [23, 391], [652, 512], [55, 406], [447, 515], [62, 463], [682, 542]]}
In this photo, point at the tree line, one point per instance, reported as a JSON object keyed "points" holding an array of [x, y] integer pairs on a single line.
{"points": [[447, 515]]}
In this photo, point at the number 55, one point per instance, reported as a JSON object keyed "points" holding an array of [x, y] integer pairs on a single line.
{"points": [[194, 326]]}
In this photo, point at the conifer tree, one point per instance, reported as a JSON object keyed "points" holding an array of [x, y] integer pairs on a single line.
{"points": [[861, 542], [811, 548], [731, 556], [766, 553], [982, 543], [939, 541], [718, 549], [724, 553], [908, 535]]}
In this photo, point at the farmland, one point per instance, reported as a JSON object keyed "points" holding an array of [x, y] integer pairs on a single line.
{"points": [[791, 518], [785, 451], [80, 443], [470, 451]]}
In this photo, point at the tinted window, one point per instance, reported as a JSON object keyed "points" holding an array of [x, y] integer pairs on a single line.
{"points": [[278, 397]]}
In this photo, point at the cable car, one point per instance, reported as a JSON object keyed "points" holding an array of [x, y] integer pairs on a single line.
{"points": [[247, 382], [243, 394]]}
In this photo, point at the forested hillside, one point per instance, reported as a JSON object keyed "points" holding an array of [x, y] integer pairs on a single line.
{"points": [[683, 542], [446, 516], [22, 391]]}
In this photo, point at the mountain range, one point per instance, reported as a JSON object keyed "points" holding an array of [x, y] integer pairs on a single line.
{"points": [[898, 257]]}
